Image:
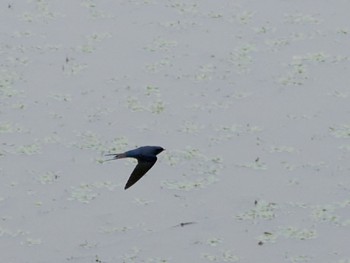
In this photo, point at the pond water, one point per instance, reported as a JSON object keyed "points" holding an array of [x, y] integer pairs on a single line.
{"points": [[250, 100]]}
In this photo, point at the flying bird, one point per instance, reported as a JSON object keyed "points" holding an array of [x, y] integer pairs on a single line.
{"points": [[146, 157]]}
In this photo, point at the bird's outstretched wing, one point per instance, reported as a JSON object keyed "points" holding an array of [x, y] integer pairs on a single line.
{"points": [[141, 168]]}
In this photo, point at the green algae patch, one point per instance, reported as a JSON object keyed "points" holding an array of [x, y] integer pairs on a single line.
{"points": [[29, 149], [48, 178], [297, 233], [256, 165], [190, 185], [7, 81], [222, 256], [287, 232], [9, 128], [340, 131], [85, 193], [263, 210]]}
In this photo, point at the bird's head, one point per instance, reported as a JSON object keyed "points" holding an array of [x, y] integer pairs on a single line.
{"points": [[158, 149]]}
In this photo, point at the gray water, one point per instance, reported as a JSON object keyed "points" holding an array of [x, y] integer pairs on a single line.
{"points": [[250, 99]]}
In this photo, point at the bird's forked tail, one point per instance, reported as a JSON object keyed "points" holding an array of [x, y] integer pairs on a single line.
{"points": [[116, 156]]}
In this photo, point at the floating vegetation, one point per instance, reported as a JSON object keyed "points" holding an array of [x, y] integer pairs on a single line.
{"points": [[25, 33], [158, 66], [190, 185], [200, 164], [94, 12], [73, 68], [227, 132], [97, 113], [315, 57], [48, 178], [108, 185], [224, 256], [23, 61], [118, 144], [158, 260], [161, 44], [8, 127], [61, 97], [29, 149], [157, 107], [241, 58], [203, 169], [297, 73], [5, 232], [296, 233], [199, 76], [185, 7], [152, 90], [229, 256], [85, 193], [338, 94], [88, 245], [18, 106], [340, 131], [90, 140], [245, 17], [191, 127], [279, 149], [326, 213], [264, 29], [214, 15], [87, 48], [267, 237], [52, 138], [132, 256], [298, 68], [277, 43], [299, 258], [343, 31], [262, 210], [7, 80], [182, 24], [316, 166], [204, 73], [288, 166], [98, 37], [32, 241], [155, 103], [286, 232], [38, 203], [110, 230], [300, 18], [142, 202], [345, 147], [241, 94], [256, 165], [191, 153], [214, 241], [134, 104], [43, 13]]}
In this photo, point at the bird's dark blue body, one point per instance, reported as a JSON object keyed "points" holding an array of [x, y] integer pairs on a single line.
{"points": [[146, 157], [145, 152]]}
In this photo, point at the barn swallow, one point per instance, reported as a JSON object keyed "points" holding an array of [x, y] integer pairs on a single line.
{"points": [[146, 157]]}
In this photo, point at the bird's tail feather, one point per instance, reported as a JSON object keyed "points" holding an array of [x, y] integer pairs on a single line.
{"points": [[116, 156]]}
